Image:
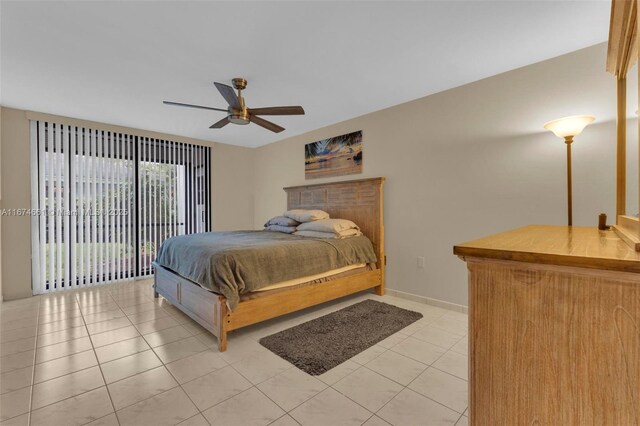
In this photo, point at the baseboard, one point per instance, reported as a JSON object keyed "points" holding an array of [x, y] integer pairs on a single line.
{"points": [[428, 301]]}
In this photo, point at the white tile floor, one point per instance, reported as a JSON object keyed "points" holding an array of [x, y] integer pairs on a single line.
{"points": [[115, 355]]}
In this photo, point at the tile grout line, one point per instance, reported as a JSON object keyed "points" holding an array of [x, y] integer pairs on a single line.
{"points": [[428, 397], [174, 378], [66, 374], [81, 393], [208, 348], [163, 366], [100, 369], [185, 392], [120, 357], [403, 386], [408, 388], [349, 398], [21, 352], [258, 389], [285, 414], [33, 372], [452, 375], [64, 356], [147, 343], [69, 397], [413, 380], [60, 331], [20, 388]]}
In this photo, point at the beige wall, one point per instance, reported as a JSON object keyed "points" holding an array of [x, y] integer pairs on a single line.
{"points": [[1, 294], [232, 194], [16, 193], [232, 188], [472, 161]]}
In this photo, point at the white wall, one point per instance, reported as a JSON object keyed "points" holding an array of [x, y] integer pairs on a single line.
{"points": [[473, 161]]}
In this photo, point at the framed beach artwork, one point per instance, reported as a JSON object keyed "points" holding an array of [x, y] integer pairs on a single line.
{"points": [[336, 156]]}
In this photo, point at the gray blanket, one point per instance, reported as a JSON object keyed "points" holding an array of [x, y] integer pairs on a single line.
{"points": [[238, 262]]}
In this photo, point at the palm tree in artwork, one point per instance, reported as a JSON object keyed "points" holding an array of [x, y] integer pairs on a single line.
{"points": [[310, 151], [325, 146], [349, 139]]}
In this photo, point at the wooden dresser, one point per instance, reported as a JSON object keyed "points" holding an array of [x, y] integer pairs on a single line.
{"points": [[554, 328]]}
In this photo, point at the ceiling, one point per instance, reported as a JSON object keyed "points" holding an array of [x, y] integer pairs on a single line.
{"points": [[115, 62]]}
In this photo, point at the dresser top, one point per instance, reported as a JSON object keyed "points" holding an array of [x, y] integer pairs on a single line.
{"points": [[585, 247]]}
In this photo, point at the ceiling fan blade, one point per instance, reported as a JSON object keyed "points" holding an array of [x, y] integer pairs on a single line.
{"points": [[193, 106], [220, 124], [266, 124], [229, 95], [279, 110]]}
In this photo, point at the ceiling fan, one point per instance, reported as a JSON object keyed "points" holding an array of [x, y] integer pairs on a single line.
{"points": [[238, 113]]}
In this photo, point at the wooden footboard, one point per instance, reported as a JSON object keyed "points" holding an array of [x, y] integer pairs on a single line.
{"points": [[206, 308], [274, 305], [210, 309]]}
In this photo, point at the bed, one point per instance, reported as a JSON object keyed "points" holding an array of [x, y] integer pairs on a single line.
{"points": [[358, 200]]}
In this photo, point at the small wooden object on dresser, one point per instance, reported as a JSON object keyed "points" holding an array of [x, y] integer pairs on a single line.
{"points": [[554, 328]]}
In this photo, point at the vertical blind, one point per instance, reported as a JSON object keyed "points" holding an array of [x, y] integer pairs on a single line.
{"points": [[103, 202]]}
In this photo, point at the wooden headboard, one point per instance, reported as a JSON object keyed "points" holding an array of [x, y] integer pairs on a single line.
{"points": [[357, 200]]}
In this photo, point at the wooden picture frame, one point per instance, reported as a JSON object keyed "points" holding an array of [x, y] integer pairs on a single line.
{"points": [[336, 156]]}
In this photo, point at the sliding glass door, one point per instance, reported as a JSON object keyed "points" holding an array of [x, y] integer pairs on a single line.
{"points": [[104, 202], [173, 194]]}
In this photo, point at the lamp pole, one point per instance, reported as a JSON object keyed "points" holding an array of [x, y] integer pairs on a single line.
{"points": [[568, 128], [568, 140]]}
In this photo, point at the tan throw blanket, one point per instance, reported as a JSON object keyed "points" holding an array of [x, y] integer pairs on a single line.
{"points": [[238, 262]]}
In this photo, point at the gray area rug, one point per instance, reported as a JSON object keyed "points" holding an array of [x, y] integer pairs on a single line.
{"points": [[323, 343]]}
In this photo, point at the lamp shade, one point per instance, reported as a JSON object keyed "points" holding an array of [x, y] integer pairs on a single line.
{"points": [[569, 126]]}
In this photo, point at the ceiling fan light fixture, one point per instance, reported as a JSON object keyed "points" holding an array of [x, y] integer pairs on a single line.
{"points": [[239, 117]]}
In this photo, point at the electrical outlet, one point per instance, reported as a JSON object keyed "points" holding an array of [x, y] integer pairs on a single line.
{"points": [[420, 262]]}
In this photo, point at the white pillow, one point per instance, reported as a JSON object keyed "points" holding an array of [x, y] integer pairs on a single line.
{"points": [[306, 215], [282, 221], [328, 225], [280, 228], [342, 234]]}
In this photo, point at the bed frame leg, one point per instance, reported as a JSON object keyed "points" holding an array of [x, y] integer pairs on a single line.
{"points": [[222, 342], [382, 266], [379, 290], [222, 324]]}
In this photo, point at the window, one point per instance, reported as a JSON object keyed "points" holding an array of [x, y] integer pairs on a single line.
{"points": [[105, 201]]}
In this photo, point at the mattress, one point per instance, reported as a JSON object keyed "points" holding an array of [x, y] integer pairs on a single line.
{"points": [[328, 278], [301, 280], [240, 262]]}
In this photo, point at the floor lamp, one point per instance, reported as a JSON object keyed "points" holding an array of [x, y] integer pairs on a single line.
{"points": [[567, 128]]}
